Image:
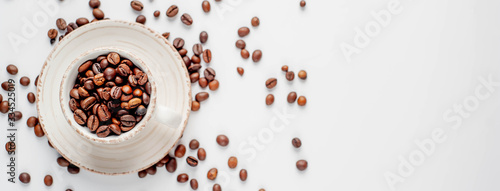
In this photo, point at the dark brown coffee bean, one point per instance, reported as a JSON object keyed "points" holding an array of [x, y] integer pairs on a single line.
{"points": [[256, 55], [171, 165], [255, 21], [89, 84], [113, 58], [73, 104], [83, 93], [132, 80], [69, 29], [25, 81], [87, 103], [103, 113], [123, 70], [93, 123], [207, 56], [269, 99], [1, 98], [202, 96], [116, 92], [203, 37], [52, 33], [195, 59], [127, 62], [296, 142], [137, 5], [96, 68], [209, 74], [187, 61], [290, 75], [197, 49], [203, 82], [12, 69], [101, 58], [25, 178], [180, 151], [141, 19], [38, 130], [202, 154], [141, 110], [85, 66], [80, 117], [232, 162], [271, 83], [245, 54], [240, 70], [17, 116], [192, 161], [156, 13], [243, 175], [145, 99], [62, 162], [194, 77], [61, 24], [94, 3], [222, 140], [182, 178], [127, 120], [103, 131], [142, 173], [217, 187], [205, 5], [195, 106], [186, 19], [151, 170], [284, 68], [212, 174], [302, 3], [82, 21], [194, 184], [292, 96], [31, 97], [240, 44], [4, 106], [243, 31], [302, 101], [301, 165], [48, 180], [183, 52], [104, 62], [194, 144], [142, 78], [32, 121], [7, 85], [72, 169], [98, 14], [194, 67], [172, 11], [10, 146], [115, 129], [178, 43]]}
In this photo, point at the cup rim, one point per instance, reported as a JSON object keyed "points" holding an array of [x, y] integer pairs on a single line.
{"points": [[81, 129]]}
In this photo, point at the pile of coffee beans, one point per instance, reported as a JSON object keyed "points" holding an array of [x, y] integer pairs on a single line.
{"points": [[111, 95]]}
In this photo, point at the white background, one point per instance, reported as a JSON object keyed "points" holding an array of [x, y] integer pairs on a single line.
{"points": [[360, 116]]}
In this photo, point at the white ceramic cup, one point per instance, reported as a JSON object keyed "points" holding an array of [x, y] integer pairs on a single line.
{"points": [[155, 113]]}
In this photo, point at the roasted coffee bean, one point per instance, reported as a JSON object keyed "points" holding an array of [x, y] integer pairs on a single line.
{"points": [[240, 44], [243, 31], [302, 3], [151, 170], [94, 3], [217, 187], [61, 24], [178, 43], [11, 147], [85, 66], [145, 99], [197, 49], [195, 59], [83, 93], [186, 19], [192, 161], [123, 70], [284, 68], [109, 74], [96, 68], [127, 120], [213, 85], [101, 58], [69, 29], [212, 174], [141, 19], [4, 106], [126, 98], [187, 61], [243, 175], [113, 58], [182, 178], [302, 74], [119, 80], [89, 85], [302, 101], [245, 54], [195, 106], [180, 151], [106, 95], [137, 5], [194, 144], [25, 178], [36, 80], [203, 37], [25, 81], [209, 74], [1, 98], [82, 21], [240, 70], [194, 184], [202, 154], [38, 130], [271, 83], [141, 110], [95, 107], [74, 93], [73, 104], [269, 99], [183, 52], [256, 55], [72, 169], [132, 80], [127, 62], [103, 113], [134, 103], [255, 21], [12, 69], [16, 116], [73, 25], [296, 142], [7, 85], [137, 93], [301, 165], [62, 162], [80, 117], [171, 165], [292, 96], [194, 67], [142, 78], [156, 13], [194, 77], [142, 173], [48, 180], [232, 162], [290, 75], [87, 103], [31, 97], [165, 159], [205, 5], [202, 96], [203, 82], [104, 62], [222, 140], [89, 73], [52, 33], [99, 79], [32, 121], [207, 56], [116, 92], [98, 14], [93, 123], [166, 35], [172, 11], [103, 131]]}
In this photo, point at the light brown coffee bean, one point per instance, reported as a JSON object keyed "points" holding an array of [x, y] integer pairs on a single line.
{"points": [[243, 31], [302, 101], [61, 24], [202, 154], [243, 174], [182, 178], [207, 56], [245, 54], [212, 174], [180, 151], [302, 74], [232, 162], [194, 184], [195, 106], [271, 83], [269, 99], [137, 5], [172, 11], [202, 96], [213, 85], [240, 70], [222, 140], [205, 5], [192, 161], [301, 165], [255, 21]]}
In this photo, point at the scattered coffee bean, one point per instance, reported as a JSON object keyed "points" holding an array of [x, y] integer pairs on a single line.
{"points": [[38, 130], [269, 99], [6, 85], [171, 165], [172, 11], [1, 98], [245, 54], [156, 13], [52, 33], [194, 144], [25, 178], [302, 101], [243, 175], [61, 24], [202, 96], [212, 174], [209, 74], [195, 106], [302, 74], [142, 173], [284, 68], [180, 151], [178, 43], [301, 165], [207, 56], [271, 83], [232, 162], [255, 21], [32, 121], [262, 189], [31, 97], [10, 146], [296, 142], [187, 61], [302, 3], [94, 3], [222, 140], [182, 178], [205, 6], [151, 170], [194, 184], [17, 115], [62, 162], [186, 19], [217, 187], [25, 81], [192, 161], [290, 75], [98, 14], [203, 82], [195, 59], [240, 44], [166, 35], [141, 19], [72, 169], [197, 49], [243, 31], [256, 55], [292, 96], [240, 70], [203, 37], [137, 5], [48, 180], [12, 69], [183, 51], [202, 154], [213, 85], [82, 21]]}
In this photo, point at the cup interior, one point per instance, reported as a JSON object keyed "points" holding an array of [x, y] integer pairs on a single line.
{"points": [[68, 82]]}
